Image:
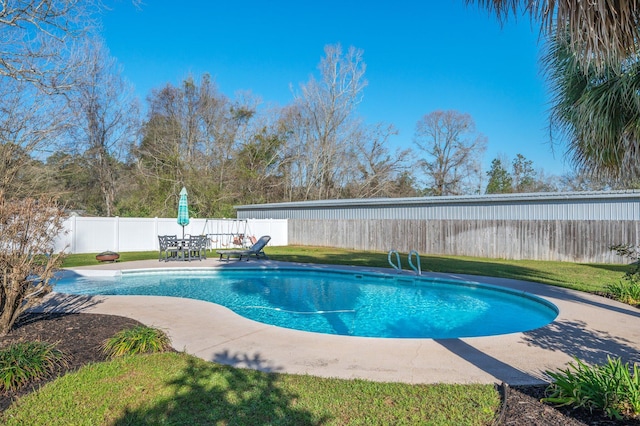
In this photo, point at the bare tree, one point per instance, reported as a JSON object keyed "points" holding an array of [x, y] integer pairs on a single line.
{"points": [[28, 229], [580, 180], [30, 122], [259, 165], [191, 137], [294, 165], [38, 62], [324, 117], [377, 170], [105, 117], [36, 38], [452, 150]]}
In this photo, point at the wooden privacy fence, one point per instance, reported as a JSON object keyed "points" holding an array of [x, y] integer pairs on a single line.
{"points": [[564, 240]]}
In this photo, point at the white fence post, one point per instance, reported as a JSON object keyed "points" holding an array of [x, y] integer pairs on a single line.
{"points": [[154, 237], [74, 227], [116, 243]]}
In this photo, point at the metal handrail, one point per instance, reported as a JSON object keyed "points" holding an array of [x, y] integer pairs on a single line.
{"points": [[397, 267], [417, 269]]}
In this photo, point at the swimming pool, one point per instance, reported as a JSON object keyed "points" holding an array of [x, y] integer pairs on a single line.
{"points": [[338, 302]]}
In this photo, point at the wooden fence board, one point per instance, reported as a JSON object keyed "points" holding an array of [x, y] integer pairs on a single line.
{"points": [[575, 240]]}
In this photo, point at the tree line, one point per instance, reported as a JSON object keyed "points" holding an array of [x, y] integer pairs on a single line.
{"points": [[71, 126], [108, 160], [92, 147], [89, 144]]}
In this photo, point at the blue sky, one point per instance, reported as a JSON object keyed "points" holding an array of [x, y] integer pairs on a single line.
{"points": [[421, 57]]}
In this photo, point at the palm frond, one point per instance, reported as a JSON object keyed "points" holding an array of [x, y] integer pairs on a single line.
{"points": [[596, 109], [600, 31]]}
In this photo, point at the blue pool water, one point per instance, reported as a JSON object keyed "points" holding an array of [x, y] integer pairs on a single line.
{"points": [[333, 302]]}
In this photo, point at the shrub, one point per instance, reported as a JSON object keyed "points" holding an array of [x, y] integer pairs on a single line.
{"points": [[626, 291], [612, 388], [21, 363], [136, 340], [28, 231]]}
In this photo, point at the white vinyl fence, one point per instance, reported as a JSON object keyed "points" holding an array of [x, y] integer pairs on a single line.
{"points": [[123, 234]]}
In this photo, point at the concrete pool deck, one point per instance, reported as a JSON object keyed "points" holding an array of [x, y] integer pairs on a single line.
{"points": [[588, 327]]}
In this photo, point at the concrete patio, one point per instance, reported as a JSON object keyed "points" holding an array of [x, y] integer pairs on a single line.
{"points": [[588, 327]]}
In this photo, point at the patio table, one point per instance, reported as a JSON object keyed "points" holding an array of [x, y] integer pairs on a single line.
{"points": [[183, 249], [191, 248]]}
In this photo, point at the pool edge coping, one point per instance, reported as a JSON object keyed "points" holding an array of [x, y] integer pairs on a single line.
{"points": [[515, 358]]}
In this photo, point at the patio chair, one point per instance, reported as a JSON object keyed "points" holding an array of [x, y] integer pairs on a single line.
{"points": [[256, 250], [168, 247], [197, 247]]}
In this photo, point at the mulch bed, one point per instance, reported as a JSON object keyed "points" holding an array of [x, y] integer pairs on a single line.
{"points": [[79, 336]]}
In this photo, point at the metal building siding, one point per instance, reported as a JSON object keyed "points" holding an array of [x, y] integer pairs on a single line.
{"points": [[577, 227], [614, 205]]}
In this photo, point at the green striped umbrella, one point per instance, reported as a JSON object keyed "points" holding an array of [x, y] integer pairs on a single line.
{"points": [[183, 210]]}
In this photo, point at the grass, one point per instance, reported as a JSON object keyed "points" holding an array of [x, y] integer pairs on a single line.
{"points": [[85, 259], [586, 277], [175, 388], [577, 276]]}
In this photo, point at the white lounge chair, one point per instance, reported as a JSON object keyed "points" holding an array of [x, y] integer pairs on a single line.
{"points": [[256, 250]]}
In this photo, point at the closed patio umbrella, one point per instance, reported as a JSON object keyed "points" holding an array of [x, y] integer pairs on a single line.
{"points": [[183, 210]]}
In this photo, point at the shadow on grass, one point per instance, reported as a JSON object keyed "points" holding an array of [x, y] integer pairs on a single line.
{"points": [[429, 263], [622, 269], [377, 260], [578, 276], [207, 394], [488, 268]]}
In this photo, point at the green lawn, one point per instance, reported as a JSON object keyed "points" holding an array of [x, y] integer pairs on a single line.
{"points": [[583, 277], [578, 276], [180, 389]]}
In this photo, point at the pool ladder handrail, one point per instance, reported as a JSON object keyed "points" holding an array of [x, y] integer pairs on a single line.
{"points": [[398, 265], [417, 268]]}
